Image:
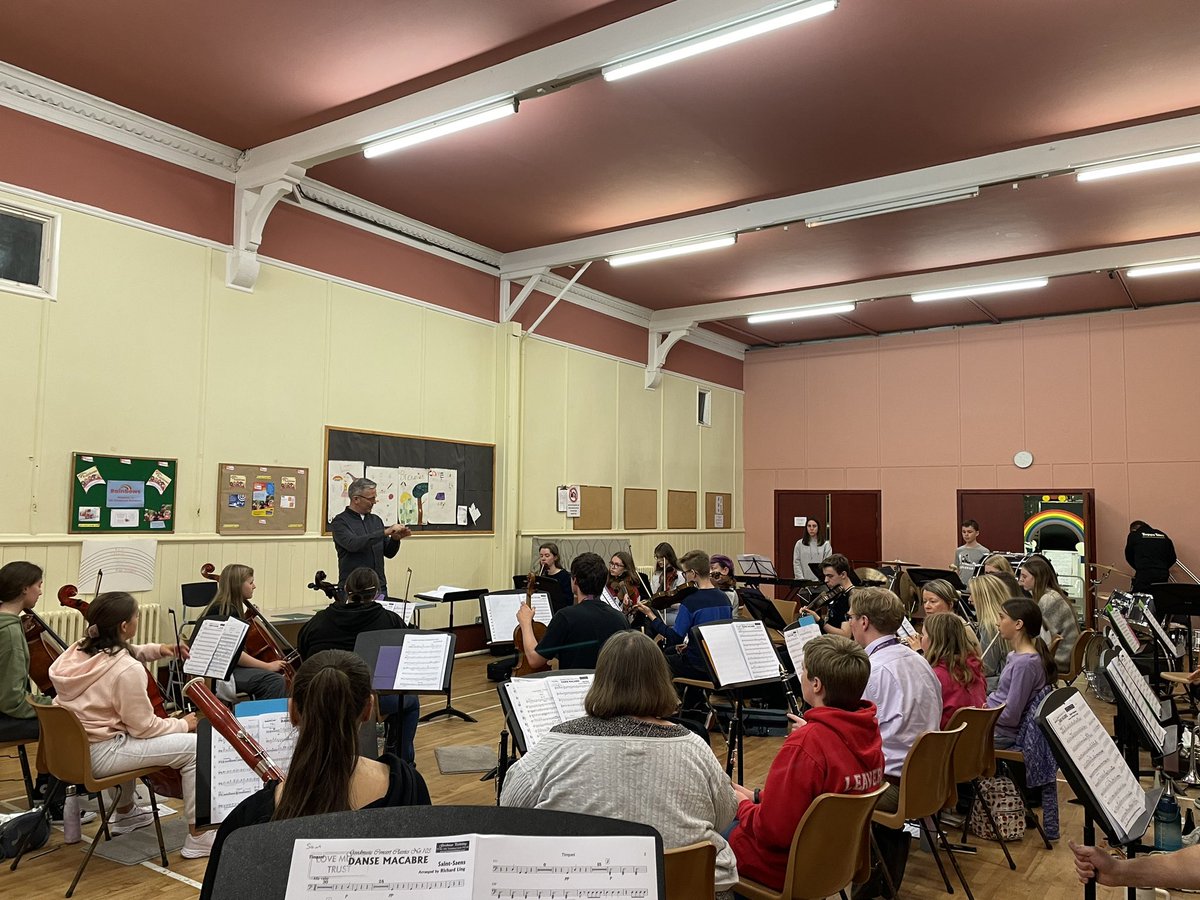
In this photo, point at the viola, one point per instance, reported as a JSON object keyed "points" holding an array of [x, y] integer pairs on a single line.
{"points": [[263, 641], [524, 666]]}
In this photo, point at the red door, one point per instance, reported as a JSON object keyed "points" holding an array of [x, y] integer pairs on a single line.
{"points": [[856, 529], [790, 505]]}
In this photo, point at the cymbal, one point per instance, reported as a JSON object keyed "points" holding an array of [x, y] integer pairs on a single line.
{"points": [[871, 576], [899, 562], [1105, 568], [1177, 677]]}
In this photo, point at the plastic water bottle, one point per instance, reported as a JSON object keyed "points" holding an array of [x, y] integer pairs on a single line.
{"points": [[71, 816], [1166, 820]]}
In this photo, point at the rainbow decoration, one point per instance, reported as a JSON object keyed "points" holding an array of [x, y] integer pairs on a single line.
{"points": [[1061, 517]]}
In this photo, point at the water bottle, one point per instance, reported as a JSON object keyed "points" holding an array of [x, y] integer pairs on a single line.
{"points": [[1166, 820], [71, 816]]}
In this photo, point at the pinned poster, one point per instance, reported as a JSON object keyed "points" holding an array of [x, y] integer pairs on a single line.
{"points": [[411, 485], [441, 501], [562, 499], [387, 492], [127, 565], [339, 477], [573, 501]]}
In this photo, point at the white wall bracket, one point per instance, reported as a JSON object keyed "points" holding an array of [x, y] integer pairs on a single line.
{"points": [[562, 293], [661, 343], [509, 307], [251, 208]]}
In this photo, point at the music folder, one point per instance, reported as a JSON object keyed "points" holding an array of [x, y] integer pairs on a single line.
{"points": [[408, 661]]}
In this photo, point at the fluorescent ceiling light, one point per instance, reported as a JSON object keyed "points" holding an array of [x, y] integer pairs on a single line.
{"points": [[439, 127], [1144, 164], [778, 17], [637, 256], [879, 209], [803, 312], [980, 290], [1187, 265]]}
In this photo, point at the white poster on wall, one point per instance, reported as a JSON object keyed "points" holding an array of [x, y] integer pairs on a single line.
{"points": [[441, 501], [411, 482], [128, 565], [387, 482], [337, 484]]}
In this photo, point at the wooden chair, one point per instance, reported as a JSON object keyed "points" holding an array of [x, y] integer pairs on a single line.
{"points": [[830, 849], [26, 775], [1078, 655], [926, 780], [690, 872], [69, 760], [975, 758], [1054, 642]]}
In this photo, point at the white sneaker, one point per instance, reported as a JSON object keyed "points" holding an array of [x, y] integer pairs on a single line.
{"points": [[137, 817], [199, 845]]}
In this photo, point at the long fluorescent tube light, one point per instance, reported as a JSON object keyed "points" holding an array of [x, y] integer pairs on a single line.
{"points": [[1187, 265], [439, 128], [879, 209], [637, 256], [803, 312], [980, 290], [761, 23], [1145, 164]]}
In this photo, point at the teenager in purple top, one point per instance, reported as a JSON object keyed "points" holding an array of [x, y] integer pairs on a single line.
{"points": [[1029, 668]]}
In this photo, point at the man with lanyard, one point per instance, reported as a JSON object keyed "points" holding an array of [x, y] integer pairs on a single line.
{"points": [[908, 703], [575, 634], [836, 571], [360, 536]]}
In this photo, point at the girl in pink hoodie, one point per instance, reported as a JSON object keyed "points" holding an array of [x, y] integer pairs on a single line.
{"points": [[101, 680]]}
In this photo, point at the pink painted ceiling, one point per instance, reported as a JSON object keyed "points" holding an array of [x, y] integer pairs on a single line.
{"points": [[877, 87]]}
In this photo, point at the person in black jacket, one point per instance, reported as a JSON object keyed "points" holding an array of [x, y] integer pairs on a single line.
{"points": [[1151, 553], [337, 627], [360, 536]]}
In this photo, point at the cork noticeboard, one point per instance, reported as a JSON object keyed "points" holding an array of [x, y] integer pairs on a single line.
{"points": [[681, 510], [641, 508], [595, 509], [261, 499], [718, 505]]}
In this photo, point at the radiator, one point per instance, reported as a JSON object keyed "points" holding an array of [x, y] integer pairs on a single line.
{"points": [[69, 624]]}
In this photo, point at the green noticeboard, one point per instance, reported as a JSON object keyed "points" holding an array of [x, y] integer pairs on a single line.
{"points": [[115, 494]]}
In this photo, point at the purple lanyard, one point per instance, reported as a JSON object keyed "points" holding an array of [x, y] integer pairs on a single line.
{"points": [[880, 646]]}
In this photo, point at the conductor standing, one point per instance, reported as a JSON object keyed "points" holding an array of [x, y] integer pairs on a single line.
{"points": [[1151, 554], [361, 537]]}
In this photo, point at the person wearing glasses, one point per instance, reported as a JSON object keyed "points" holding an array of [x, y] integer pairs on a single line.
{"points": [[360, 536]]}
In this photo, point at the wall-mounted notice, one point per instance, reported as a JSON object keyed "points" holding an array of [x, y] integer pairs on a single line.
{"points": [[122, 494], [574, 501], [261, 499]]}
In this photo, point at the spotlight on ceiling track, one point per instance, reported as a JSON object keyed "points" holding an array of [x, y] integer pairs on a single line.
{"points": [[1186, 265], [1139, 164], [730, 33], [448, 124], [802, 312], [980, 290], [665, 252]]}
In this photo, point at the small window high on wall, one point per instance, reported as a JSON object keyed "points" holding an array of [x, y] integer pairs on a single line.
{"points": [[703, 407], [28, 252]]}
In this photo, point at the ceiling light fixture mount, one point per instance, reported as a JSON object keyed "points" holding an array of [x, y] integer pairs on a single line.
{"points": [[980, 290], [666, 251], [890, 206], [450, 123], [802, 312], [777, 17], [1148, 163]]}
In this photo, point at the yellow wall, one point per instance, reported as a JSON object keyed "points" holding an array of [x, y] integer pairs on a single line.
{"points": [[146, 352]]}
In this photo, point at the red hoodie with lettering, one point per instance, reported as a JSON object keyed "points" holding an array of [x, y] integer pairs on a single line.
{"points": [[837, 751]]}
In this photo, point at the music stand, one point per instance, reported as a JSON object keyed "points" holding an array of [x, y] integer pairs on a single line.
{"points": [[753, 564], [543, 584], [1173, 600], [921, 577], [513, 726], [1136, 719], [368, 646], [256, 860]]}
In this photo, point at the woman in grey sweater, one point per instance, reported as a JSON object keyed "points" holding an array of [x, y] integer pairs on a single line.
{"points": [[624, 760], [1037, 578]]}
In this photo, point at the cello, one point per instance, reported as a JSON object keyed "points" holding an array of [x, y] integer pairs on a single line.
{"points": [[264, 641], [167, 782], [524, 666], [45, 646]]}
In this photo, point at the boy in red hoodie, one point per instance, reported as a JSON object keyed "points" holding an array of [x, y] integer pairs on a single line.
{"points": [[835, 748]]}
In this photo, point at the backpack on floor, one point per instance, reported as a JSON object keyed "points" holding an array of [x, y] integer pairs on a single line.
{"points": [[34, 824], [1002, 798]]}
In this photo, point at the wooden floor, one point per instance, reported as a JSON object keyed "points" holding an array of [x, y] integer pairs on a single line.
{"points": [[1042, 874]]}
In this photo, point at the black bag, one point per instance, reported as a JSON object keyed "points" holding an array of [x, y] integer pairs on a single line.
{"points": [[501, 669], [33, 827]]}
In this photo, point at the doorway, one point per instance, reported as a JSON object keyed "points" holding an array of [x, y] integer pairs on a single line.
{"points": [[852, 520]]}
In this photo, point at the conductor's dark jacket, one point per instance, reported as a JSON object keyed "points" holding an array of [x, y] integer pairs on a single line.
{"points": [[360, 541]]}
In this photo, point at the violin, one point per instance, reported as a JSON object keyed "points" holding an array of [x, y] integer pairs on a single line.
{"points": [[45, 646], [625, 589], [524, 666], [168, 782], [666, 599], [263, 641]]}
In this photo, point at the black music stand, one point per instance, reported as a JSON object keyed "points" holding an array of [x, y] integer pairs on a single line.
{"points": [[451, 597], [1176, 600], [543, 584], [256, 860], [921, 577], [513, 727], [1130, 731], [368, 645], [491, 638]]}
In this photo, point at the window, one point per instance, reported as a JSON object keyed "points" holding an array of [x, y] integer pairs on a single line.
{"points": [[28, 245], [703, 407]]}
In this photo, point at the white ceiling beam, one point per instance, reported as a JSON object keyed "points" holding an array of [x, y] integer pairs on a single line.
{"points": [[566, 59], [1074, 263], [996, 168]]}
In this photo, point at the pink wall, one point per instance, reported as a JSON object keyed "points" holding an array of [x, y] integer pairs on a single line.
{"points": [[1107, 401]]}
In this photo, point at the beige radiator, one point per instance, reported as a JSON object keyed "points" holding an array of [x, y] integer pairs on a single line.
{"points": [[69, 624]]}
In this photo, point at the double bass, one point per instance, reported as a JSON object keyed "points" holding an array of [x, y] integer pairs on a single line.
{"points": [[263, 641], [524, 666]]}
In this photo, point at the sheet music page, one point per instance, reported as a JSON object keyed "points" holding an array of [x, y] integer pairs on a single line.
{"points": [[569, 692], [442, 590], [906, 629], [406, 611], [214, 647], [435, 868], [422, 662], [726, 654], [805, 630], [511, 867], [1099, 762], [757, 649], [1137, 692], [1122, 625], [534, 707], [230, 779], [502, 613], [1157, 628]]}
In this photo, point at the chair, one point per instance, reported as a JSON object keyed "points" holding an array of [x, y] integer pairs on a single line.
{"points": [[690, 871], [926, 780], [818, 862], [69, 761], [196, 595], [20, 744], [975, 758], [1078, 655], [1055, 640]]}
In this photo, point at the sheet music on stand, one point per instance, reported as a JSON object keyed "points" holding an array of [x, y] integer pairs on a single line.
{"points": [[538, 704], [754, 564], [1094, 768], [1125, 634], [739, 653], [215, 648], [468, 866], [419, 662], [499, 613], [406, 611], [795, 636], [1137, 698], [1160, 633], [223, 780]]}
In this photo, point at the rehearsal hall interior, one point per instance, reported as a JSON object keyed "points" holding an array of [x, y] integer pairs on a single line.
{"points": [[569, 448]]}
